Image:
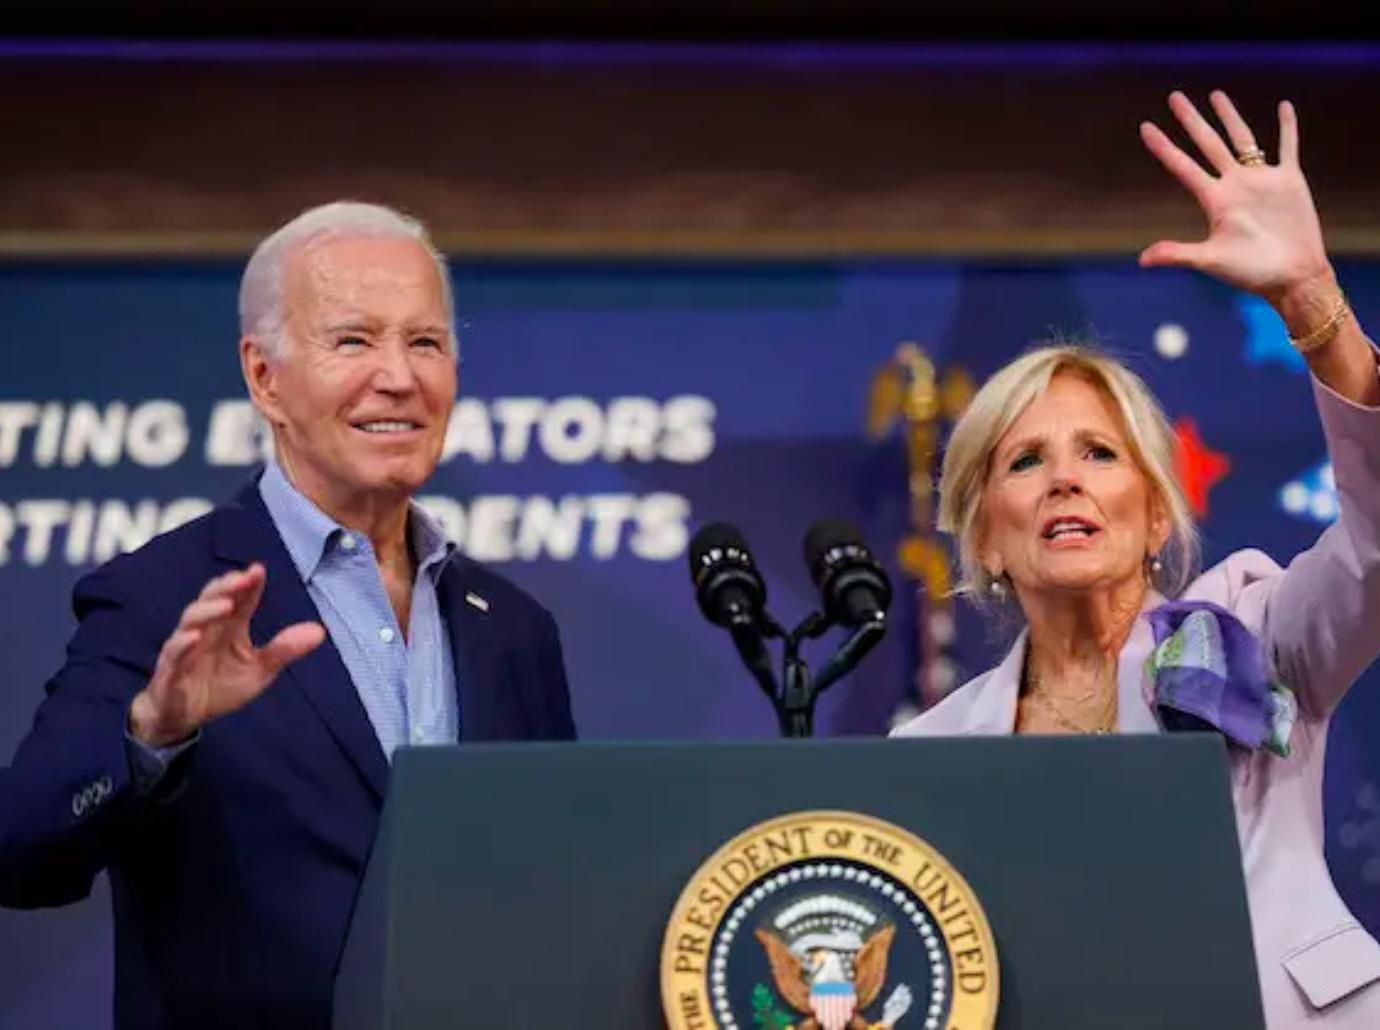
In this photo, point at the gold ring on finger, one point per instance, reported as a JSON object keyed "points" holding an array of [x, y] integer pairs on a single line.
{"points": [[1251, 157]]}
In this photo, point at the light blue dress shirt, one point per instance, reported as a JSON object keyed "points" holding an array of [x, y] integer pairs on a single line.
{"points": [[405, 681]]}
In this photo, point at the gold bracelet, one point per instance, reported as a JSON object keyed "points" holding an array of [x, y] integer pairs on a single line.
{"points": [[1315, 338]]}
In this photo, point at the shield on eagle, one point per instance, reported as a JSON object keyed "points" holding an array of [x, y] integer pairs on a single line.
{"points": [[832, 1002], [828, 958]]}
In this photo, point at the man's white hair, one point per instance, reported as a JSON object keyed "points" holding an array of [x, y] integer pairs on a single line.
{"points": [[263, 311]]}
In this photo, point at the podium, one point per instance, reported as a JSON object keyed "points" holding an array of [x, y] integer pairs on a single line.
{"points": [[531, 885]]}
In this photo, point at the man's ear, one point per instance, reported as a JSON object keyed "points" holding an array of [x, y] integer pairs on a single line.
{"points": [[261, 377]]}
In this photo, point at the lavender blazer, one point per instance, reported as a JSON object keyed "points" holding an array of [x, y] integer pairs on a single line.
{"points": [[1320, 621]]}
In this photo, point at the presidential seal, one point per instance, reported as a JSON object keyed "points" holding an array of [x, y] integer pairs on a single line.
{"points": [[828, 921]]}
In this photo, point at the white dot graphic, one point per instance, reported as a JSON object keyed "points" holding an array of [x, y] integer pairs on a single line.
{"points": [[1294, 497], [1171, 341], [1323, 506]]}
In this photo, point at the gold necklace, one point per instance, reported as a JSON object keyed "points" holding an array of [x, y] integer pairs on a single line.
{"points": [[1104, 724]]}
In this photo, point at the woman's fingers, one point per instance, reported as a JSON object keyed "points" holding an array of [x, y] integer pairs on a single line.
{"points": [[1188, 171], [1288, 135], [1240, 134], [1174, 254], [1202, 133]]}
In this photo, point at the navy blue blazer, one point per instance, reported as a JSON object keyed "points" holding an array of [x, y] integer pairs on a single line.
{"points": [[233, 885]]}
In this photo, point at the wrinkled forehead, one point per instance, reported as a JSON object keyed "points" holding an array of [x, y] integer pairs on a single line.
{"points": [[372, 276]]}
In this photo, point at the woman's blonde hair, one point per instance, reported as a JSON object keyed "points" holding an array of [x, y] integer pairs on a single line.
{"points": [[1002, 399]]}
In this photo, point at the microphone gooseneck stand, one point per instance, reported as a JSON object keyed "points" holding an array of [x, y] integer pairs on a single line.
{"points": [[795, 698]]}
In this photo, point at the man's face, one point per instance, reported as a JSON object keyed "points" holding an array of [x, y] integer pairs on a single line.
{"points": [[364, 385]]}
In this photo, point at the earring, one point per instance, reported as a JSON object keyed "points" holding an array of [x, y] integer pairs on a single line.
{"points": [[997, 589], [1156, 565]]}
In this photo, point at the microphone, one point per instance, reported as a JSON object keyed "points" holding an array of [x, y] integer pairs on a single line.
{"points": [[728, 586], [853, 585], [731, 593]]}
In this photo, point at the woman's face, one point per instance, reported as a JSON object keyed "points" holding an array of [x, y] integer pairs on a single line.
{"points": [[1065, 507]]}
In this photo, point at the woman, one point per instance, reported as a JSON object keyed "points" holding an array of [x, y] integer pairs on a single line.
{"points": [[1058, 485]]}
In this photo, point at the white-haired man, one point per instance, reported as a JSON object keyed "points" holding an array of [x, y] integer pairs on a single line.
{"points": [[219, 739]]}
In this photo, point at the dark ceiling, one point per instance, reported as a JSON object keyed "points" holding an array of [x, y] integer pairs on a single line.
{"points": [[703, 19]]}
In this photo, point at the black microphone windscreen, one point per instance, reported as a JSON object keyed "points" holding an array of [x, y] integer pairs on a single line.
{"points": [[728, 587], [715, 536], [824, 535]]}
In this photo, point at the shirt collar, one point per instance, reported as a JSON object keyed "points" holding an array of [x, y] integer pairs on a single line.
{"points": [[307, 531], [430, 545]]}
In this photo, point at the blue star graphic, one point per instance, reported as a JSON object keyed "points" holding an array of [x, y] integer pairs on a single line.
{"points": [[1266, 339]]}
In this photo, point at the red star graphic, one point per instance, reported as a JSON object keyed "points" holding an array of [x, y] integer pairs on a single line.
{"points": [[1199, 467]]}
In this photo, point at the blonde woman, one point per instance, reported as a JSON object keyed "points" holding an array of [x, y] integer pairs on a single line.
{"points": [[1058, 486]]}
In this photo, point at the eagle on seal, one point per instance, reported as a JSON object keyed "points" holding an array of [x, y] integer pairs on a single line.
{"points": [[818, 986]]}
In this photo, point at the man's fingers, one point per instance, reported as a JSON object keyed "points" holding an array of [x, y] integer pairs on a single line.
{"points": [[161, 713], [175, 650], [295, 642], [179, 644], [221, 602], [243, 589], [214, 587], [200, 612], [247, 591], [232, 582]]}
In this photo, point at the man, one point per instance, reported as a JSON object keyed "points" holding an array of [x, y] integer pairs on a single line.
{"points": [[219, 738]]}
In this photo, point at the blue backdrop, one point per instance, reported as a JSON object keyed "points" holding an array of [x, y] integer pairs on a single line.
{"points": [[608, 410]]}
